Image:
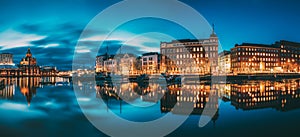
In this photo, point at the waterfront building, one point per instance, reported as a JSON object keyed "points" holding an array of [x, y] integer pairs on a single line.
{"points": [[9, 70], [150, 63], [6, 59], [126, 64], [190, 56], [290, 56], [255, 58], [48, 71], [100, 62], [281, 57], [138, 65], [28, 65], [110, 65], [224, 62], [7, 67], [65, 73], [121, 64]]}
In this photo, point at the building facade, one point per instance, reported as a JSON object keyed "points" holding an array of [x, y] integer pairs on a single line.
{"points": [[110, 65], [6, 59], [100, 62], [224, 62], [190, 56], [126, 65], [121, 64], [138, 65], [255, 58], [48, 71], [28, 65], [281, 57], [151, 63], [290, 56], [7, 67]]}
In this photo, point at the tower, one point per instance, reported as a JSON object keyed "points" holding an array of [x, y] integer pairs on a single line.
{"points": [[213, 35], [28, 54], [213, 50]]}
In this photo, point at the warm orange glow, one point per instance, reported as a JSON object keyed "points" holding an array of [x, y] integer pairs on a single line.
{"points": [[24, 91]]}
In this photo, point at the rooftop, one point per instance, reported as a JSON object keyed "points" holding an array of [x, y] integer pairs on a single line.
{"points": [[150, 53], [285, 42], [256, 45], [225, 52], [184, 41]]}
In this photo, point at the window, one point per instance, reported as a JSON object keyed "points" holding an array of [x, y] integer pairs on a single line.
{"points": [[144, 59], [150, 58]]}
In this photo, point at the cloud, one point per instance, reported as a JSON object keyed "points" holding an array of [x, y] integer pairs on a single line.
{"points": [[83, 51], [50, 45], [14, 39], [141, 43], [55, 43]]}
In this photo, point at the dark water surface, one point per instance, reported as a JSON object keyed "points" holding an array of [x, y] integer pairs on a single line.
{"points": [[32, 107]]}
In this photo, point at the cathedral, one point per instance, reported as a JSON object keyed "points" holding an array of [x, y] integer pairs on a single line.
{"points": [[29, 66]]}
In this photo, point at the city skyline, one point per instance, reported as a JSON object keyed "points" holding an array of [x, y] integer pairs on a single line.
{"points": [[52, 35], [149, 68]]}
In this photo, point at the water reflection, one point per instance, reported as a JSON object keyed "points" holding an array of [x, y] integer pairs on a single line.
{"points": [[281, 95], [47, 99], [166, 96], [131, 91], [7, 91], [27, 86]]}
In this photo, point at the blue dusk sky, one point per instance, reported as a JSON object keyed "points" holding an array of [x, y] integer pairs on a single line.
{"points": [[51, 28]]}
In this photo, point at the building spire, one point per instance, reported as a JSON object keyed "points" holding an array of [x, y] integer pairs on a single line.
{"points": [[28, 54], [213, 34], [28, 51]]}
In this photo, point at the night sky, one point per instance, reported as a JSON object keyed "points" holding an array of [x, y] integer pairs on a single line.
{"points": [[51, 28]]}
